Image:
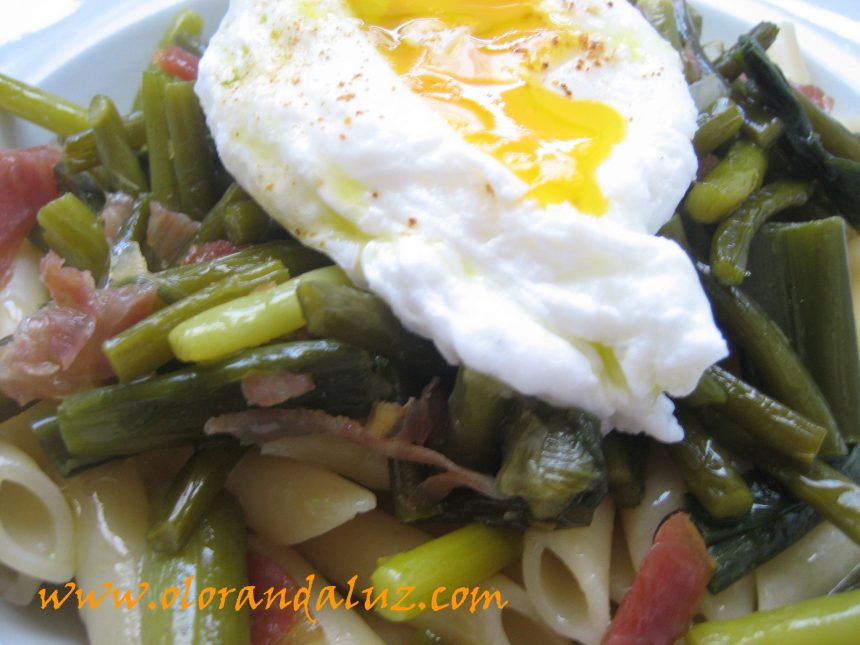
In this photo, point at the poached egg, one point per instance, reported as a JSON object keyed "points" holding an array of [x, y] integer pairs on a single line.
{"points": [[493, 169]]}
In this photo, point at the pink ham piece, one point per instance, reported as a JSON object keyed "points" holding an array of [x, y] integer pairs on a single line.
{"points": [[816, 95], [168, 232], [177, 62], [57, 350], [26, 184], [117, 209], [267, 390], [209, 251], [279, 622], [262, 426], [661, 602]]}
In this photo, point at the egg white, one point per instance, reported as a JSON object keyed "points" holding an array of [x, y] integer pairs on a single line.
{"points": [[573, 308]]}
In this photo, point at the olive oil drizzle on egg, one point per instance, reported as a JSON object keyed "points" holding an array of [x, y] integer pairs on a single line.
{"points": [[481, 64]]}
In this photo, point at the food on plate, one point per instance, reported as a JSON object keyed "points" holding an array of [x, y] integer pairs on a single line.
{"points": [[384, 309], [476, 162]]}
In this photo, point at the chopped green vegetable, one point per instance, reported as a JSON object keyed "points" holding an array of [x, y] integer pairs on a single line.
{"points": [[707, 468], [774, 425], [248, 321], [41, 107], [476, 412], [76, 233], [245, 222], [180, 282], [193, 158], [834, 495], [554, 461], [731, 245], [728, 185], [834, 620], [839, 177], [764, 33], [114, 147], [80, 152], [783, 373], [191, 494], [345, 313], [626, 457], [143, 348], [801, 277], [213, 558], [718, 124], [162, 177], [171, 409], [470, 555]]}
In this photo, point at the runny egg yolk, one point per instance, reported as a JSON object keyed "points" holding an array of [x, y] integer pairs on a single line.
{"points": [[482, 64]]}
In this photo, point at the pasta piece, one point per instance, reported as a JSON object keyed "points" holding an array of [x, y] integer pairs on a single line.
{"points": [[664, 494], [810, 567], [337, 454], [566, 575], [518, 623], [36, 531], [158, 468], [286, 501], [341, 626], [736, 600], [390, 633], [786, 53], [621, 567], [19, 432], [354, 548], [17, 588], [112, 513], [24, 292]]}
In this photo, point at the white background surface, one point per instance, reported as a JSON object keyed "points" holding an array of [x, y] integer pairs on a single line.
{"points": [[81, 47]]}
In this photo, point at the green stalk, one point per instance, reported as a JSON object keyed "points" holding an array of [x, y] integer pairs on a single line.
{"points": [[245, 222], [836, 137], [726, 187], [720, 123], [161, 174], [834, 620], [774, 425], [801, 277], [733, 238], [707, 468], [171, 409], [185, 24], [76, 233], [831, 493], [193, 160], [50, 438], [248, 321], [476, 411], [214, 557], [470, 555], [180, 282], [345, 313], [143, 348], [767, 347], [764, 33], [626, 457], [192, 493], [115, 151], [81, 153], [212, 226], [553, 460], [41, 107]]}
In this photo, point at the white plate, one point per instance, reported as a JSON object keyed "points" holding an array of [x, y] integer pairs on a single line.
{"points": [[101, 46]]}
